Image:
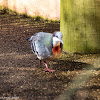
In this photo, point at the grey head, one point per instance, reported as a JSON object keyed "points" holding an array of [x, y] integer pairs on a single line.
{"points": [[57, 36]]}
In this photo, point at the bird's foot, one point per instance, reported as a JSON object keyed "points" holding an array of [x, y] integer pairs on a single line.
{"points": [[49, 70]]}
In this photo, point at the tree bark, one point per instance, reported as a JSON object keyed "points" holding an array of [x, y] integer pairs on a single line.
{"points": [[80, 25]]}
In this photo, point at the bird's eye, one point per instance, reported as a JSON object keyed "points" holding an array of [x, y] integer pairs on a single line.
{"points": [[57, 36]]}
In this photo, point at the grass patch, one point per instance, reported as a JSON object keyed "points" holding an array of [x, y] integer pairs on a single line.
{"points": [[5, 10]]}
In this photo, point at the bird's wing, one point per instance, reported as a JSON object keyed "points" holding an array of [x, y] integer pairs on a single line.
{"points": [[46, 39], [41, 45]]}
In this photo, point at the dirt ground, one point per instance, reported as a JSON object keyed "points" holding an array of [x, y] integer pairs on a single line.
{"points": [[77, 77]]}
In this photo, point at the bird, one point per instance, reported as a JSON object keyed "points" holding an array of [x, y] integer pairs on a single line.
{"points": [[46, 46]]}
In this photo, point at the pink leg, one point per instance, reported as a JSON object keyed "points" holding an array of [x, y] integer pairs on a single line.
{"points": [[47, 69]]}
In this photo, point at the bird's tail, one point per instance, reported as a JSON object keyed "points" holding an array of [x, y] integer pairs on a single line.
{"points": [[31, 38], [28, 39]]}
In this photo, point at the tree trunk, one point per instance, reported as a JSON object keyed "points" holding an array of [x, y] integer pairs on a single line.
{"points": [[80, 25]]}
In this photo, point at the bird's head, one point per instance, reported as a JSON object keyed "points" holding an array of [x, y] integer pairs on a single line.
{"points": [[57, 38], [57, 43]]}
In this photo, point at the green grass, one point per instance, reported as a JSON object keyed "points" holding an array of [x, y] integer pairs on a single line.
{"points": [[5, 10]]}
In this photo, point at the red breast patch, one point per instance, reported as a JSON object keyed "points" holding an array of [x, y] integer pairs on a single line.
{"points": [[56, 50]]}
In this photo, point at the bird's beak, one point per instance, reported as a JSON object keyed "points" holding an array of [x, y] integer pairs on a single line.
{"points": [[57, 41], [62, 41]]}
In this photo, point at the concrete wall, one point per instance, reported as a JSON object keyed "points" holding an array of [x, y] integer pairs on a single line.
{"points": [[46, 8]]}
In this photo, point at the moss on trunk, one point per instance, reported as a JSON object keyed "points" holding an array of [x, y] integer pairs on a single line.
{"points": [[80, 25]]}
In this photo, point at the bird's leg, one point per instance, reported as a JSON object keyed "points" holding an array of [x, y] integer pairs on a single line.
{"points": [[47, 69], [40, 63]]}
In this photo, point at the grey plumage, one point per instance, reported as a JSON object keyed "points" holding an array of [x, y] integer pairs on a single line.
{"points": [[41, 44]]}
